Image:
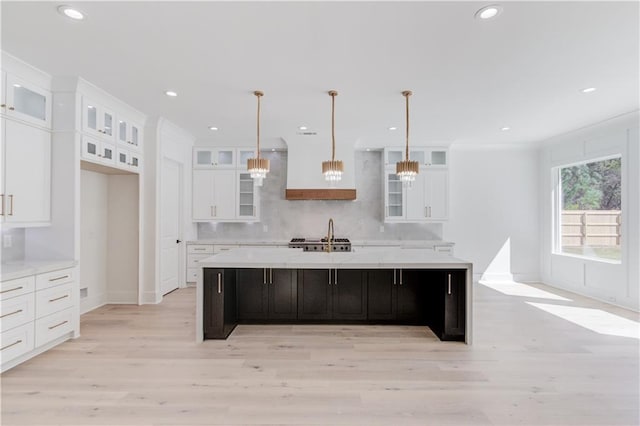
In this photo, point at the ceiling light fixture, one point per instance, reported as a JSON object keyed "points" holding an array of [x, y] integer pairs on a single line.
{"points": [[214, 128], [70, 12], [488, 12], [258, 167], [588, 90], [393, 128], [302, 128], [332, 169], [407, 169], [171, 93], [504, 129]]}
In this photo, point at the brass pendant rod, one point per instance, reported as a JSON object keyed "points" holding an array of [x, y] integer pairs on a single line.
{"points": [[406, 95], [333, 95], [258, 94]]}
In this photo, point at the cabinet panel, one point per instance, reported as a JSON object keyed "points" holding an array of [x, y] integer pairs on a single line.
{"points": [[27, 162], [17, 287], [436, 194], [17, 311], [224, 182], [27, 102], [349, 294], [54, 299], [252, 287], [381, 294], [219, 298], [283, 293], [16, 342], [394, 197], [412, 288], [53, 326], [417, 210], [454, 305], [54, 278], [246, 197], [203, 199], [314, 294]]}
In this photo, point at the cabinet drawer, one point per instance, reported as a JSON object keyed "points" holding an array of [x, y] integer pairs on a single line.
{"points": [[54, 278], [218, 248], [17, 311], [17, 287], [16, 342], [53, 326], [443, 249], [192, 275], [199, 249], [193, 259], [54, 299]]}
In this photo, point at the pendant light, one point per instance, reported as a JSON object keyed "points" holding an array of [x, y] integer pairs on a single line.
{"points": [[332, 169], [407, 170], [258, 167]]}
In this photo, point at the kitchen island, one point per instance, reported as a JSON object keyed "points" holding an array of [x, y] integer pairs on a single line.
{"points": [[381, 285]]}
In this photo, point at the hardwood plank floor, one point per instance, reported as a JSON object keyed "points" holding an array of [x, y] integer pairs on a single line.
{"points": [[139, 365]]}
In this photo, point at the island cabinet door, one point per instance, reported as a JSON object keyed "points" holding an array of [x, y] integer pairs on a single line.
{"points": [[349, 294], [381, 295], [219, 310], [412, 295], [454, 305], [314, 294], [251, 289], [283, 294]]}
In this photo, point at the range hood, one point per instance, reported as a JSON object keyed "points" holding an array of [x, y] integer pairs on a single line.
{"points": [[305, 181]]}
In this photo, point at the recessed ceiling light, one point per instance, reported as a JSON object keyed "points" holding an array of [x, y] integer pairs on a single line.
{"points": [[588, 90], [504, 129], [488, 12], [303, 128], [214, 128], [16, 85], [273, 149], [171, 93], [393, 128], [70, 12], [368, 149], [90, 106]]}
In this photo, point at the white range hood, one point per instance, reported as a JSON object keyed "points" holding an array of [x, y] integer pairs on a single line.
{"points": [[304, 167]]}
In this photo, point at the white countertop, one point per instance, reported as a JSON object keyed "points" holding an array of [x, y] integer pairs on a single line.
{"points": [[18, 269], [361, 257], [386, 243]]}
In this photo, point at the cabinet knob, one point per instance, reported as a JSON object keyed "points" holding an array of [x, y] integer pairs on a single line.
{"points": [[3, 106], [11, 108]]}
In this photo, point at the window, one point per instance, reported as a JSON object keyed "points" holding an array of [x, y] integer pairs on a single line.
{"points": [[590, 213]]}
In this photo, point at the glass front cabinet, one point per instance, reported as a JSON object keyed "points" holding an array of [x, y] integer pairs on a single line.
{"points": [[97, 120], [24, 101], [129, 134], [247, 197]]}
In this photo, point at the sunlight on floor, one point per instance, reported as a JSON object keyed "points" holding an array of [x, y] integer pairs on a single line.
{"points": [[513, 288], [594, 319]]}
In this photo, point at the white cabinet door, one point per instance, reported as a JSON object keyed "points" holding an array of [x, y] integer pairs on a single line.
{"points": [[128, 160], [129, 134], [224, 194], [27, 165], [98, 151], [437, 194], [98, 120], [203, 195], [417, 210], [394, 197], [27, 102], [247, 197], [219, 158], [437, 157]]}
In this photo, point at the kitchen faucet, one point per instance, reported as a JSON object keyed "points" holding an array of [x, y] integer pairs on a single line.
{"points": [[330, 236]]}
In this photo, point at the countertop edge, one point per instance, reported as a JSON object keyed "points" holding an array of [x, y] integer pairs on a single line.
{"points": [[17, 270]]}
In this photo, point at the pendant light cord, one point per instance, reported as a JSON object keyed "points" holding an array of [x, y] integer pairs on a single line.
{"points": [[333, 130], [258, 95], [406, 94]]}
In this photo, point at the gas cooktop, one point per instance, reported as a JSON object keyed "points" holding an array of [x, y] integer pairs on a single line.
{"points": [[320, 244]]}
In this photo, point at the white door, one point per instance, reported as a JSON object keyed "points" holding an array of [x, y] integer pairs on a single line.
{"points": [[437, 194], [171, 244]]}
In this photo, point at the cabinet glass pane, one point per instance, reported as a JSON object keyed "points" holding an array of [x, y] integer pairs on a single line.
{"points": [[395, 211], [417, 156], [134, 161], [439, 157], [108, 123], [225, 157], [204, 157], [92, 117], [92, 148], [395, 199], [246, 210], [108, 153], [246, 186], [246, 199], [29, 102], [122, 131], [244, 156], [395, 156], [134, 135], [122, 158]]}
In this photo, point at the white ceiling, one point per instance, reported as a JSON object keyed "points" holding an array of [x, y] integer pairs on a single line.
{"points": [[470, 78]]}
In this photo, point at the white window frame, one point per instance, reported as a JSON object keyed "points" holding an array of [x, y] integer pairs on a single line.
{"points": [[556, 207]]}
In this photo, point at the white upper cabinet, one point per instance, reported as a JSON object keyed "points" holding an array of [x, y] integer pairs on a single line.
{"points": [[214, 195], [425, 156], [24, 101], [218, 158], [26, 180], [128, 160], [99, 151], [97, 120], [129, 133], [246, 197]]}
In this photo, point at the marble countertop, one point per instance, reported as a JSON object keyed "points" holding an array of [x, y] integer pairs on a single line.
{"points": [[23, 268], [385, 243], [361, 257]]}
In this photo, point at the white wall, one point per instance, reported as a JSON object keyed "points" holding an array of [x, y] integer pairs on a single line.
{"points": [[494, 218], [94, 232], [615, 283]]}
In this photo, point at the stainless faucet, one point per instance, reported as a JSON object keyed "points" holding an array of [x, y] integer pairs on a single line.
{"points": [[329, 248]]}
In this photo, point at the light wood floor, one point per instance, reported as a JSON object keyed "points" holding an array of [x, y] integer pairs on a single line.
{"points": [[140, 366]]}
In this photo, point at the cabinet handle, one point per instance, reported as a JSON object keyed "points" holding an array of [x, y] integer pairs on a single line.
{"points": [[387, 211], [264, 275], [329, 276], [10, 205], [58, 298], [13, 344], [429, 211], [59, 278], [335, 276], [425, 211], [2, 212], [211, 211], [11, 289], [400, 276], [11, 108], [449, 284], [254, 210], [3, 106], [11, 313], [215, 209], [58, 325], [394, 277], [219, 282], [199, 249], [270, 275]]}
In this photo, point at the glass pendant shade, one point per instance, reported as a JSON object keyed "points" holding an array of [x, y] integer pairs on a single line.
{"points": [[258, 167], [332, 169], [407, 170]]}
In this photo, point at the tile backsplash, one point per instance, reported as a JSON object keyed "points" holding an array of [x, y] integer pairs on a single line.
{"points": [[361, 219], [16, 251]]}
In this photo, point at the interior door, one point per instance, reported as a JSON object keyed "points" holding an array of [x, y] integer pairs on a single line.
{"points": [[170, 234]]}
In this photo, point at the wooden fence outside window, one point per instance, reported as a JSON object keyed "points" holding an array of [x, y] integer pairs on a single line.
{"points": [[594, 228]]}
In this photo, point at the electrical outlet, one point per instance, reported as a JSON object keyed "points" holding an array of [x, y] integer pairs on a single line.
{"points": [[381, 228], [7, 241]]}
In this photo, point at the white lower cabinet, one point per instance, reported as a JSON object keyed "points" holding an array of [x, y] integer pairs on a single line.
{"points": [[36, 310]]}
